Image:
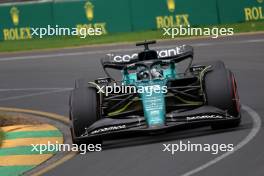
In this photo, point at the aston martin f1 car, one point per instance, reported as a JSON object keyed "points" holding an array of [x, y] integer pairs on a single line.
{"points": [[164, 96]]}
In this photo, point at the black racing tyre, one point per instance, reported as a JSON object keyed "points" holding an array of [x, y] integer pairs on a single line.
{"points": [[221, 91], [84, 111]]}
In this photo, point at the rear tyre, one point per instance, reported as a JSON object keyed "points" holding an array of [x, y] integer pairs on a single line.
{"points": [[221, 92], [84, 111]]}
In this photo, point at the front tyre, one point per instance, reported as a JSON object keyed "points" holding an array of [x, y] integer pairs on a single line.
{"points": [[221, 92], [84, 111]]}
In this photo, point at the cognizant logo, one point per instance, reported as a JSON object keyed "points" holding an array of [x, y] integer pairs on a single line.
{"points": [[161, 53]]}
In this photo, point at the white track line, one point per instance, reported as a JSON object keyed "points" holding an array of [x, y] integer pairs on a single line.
{"points": [[120, 50], [32, 95], [255, 129]]}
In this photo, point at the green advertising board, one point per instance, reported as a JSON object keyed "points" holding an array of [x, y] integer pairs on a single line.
{"points": [[16, 20], [235, 11], [156, 14], [110, 16]]}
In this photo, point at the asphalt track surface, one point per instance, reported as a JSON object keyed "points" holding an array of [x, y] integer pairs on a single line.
{"points": [[42, 80]]}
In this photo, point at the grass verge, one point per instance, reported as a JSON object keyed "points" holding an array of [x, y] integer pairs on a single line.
{"points": [[62, 42]]}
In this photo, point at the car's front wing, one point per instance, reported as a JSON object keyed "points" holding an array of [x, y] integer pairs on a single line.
{"points": [[202, 116]]}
